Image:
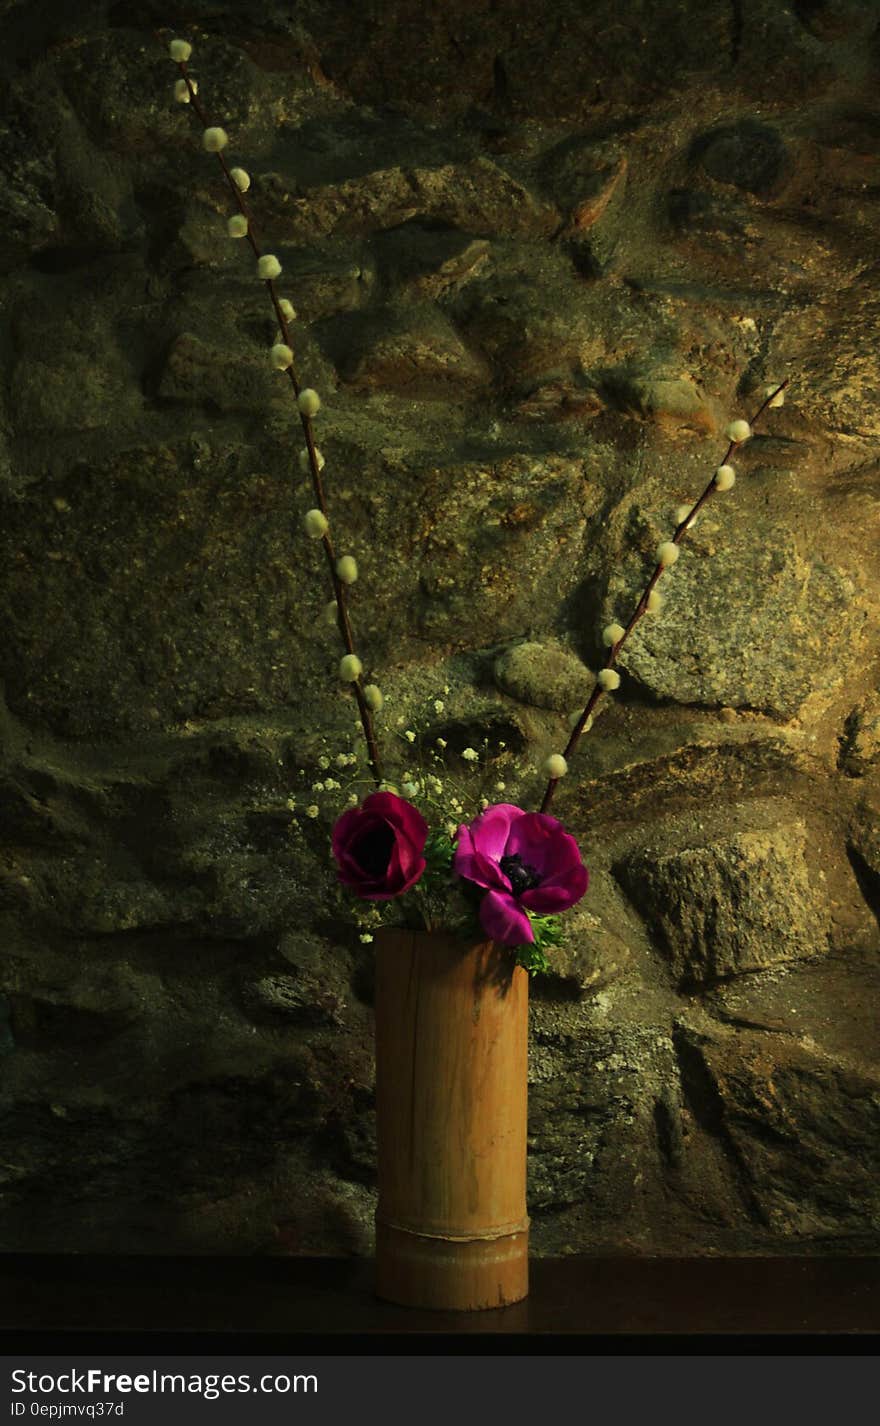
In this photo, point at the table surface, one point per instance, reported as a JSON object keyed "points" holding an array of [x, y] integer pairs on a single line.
{"points": [[275, 1303]]}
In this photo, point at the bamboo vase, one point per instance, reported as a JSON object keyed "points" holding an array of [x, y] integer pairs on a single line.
{"points": [[452, 1229]]}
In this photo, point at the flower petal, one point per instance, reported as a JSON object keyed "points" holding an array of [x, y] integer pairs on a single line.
{"points": [[538, 839], [405, 857], [491, 830], [570, 877], [542, 843], [401, 814], [503, 921], [403, 872], [342, 830], [547, 899], [472, 863], [379, 846]]}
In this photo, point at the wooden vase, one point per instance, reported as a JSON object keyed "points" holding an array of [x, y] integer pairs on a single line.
{"points": [[452, 1229]]}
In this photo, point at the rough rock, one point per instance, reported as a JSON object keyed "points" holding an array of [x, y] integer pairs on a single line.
{"points": [[803, 1002], [419, 354], [533, 510], [861, 747], [546, 675], [513, 316], [795, 1130], [864, 840], [746, 623], [477, 197], [587, 180], [733, 905], [28, 220], [748, 154]]}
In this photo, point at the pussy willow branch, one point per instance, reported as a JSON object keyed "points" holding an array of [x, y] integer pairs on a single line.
{"points": [[342, 616], [641, 606]]}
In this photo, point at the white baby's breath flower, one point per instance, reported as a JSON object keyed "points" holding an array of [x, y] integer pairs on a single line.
{"points": [[323, 762], [373, 697], [725, 476], [281, 356], [353, 800], [287, 309], [214, 139], [410, 735], [317, 787], [241, 178], [667, 553], [313, 811], [738, 431], [365, 936], [237, 226], [439, 705], [441, 743], [316, 523], [609, 679], [501, 787], [350, 668], [612, 634], [331, 784], [654, 602], [470, 755], [180, 51], [181, 90], [268, 267], [555, 766], [308, 401], [451, 830], [346, 569]]}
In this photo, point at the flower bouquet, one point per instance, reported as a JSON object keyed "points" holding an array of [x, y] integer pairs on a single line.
{"points": [[466, 897], [452, 1037]]}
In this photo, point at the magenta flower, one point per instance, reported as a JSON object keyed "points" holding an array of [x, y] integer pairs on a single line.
{"points": [[526, 861], [379, 846]]}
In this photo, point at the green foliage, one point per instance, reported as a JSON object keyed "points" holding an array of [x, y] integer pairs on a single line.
{"points": [[440, 899], [439, 851], [433, 890], [549, 933]]}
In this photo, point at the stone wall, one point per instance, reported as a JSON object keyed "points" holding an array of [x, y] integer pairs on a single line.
{"points": [[540, 256]]}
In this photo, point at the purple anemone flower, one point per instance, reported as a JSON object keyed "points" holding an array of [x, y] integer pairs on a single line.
{"points": [[379, 847], [526, 861]]}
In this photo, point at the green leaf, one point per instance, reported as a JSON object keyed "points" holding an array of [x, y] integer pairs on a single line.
{"points": [[531, 959], [548, 932], [439, 851]]}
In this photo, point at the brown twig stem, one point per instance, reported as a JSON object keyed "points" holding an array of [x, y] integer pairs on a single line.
{"points": [[342, 615], [642, 605]]}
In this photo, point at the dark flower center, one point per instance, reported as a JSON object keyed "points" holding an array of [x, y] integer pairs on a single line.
{"points": [[522, 877], [373, 849]]}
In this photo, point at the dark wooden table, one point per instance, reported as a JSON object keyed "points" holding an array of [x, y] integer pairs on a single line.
{"points": [[323, 1304]]}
